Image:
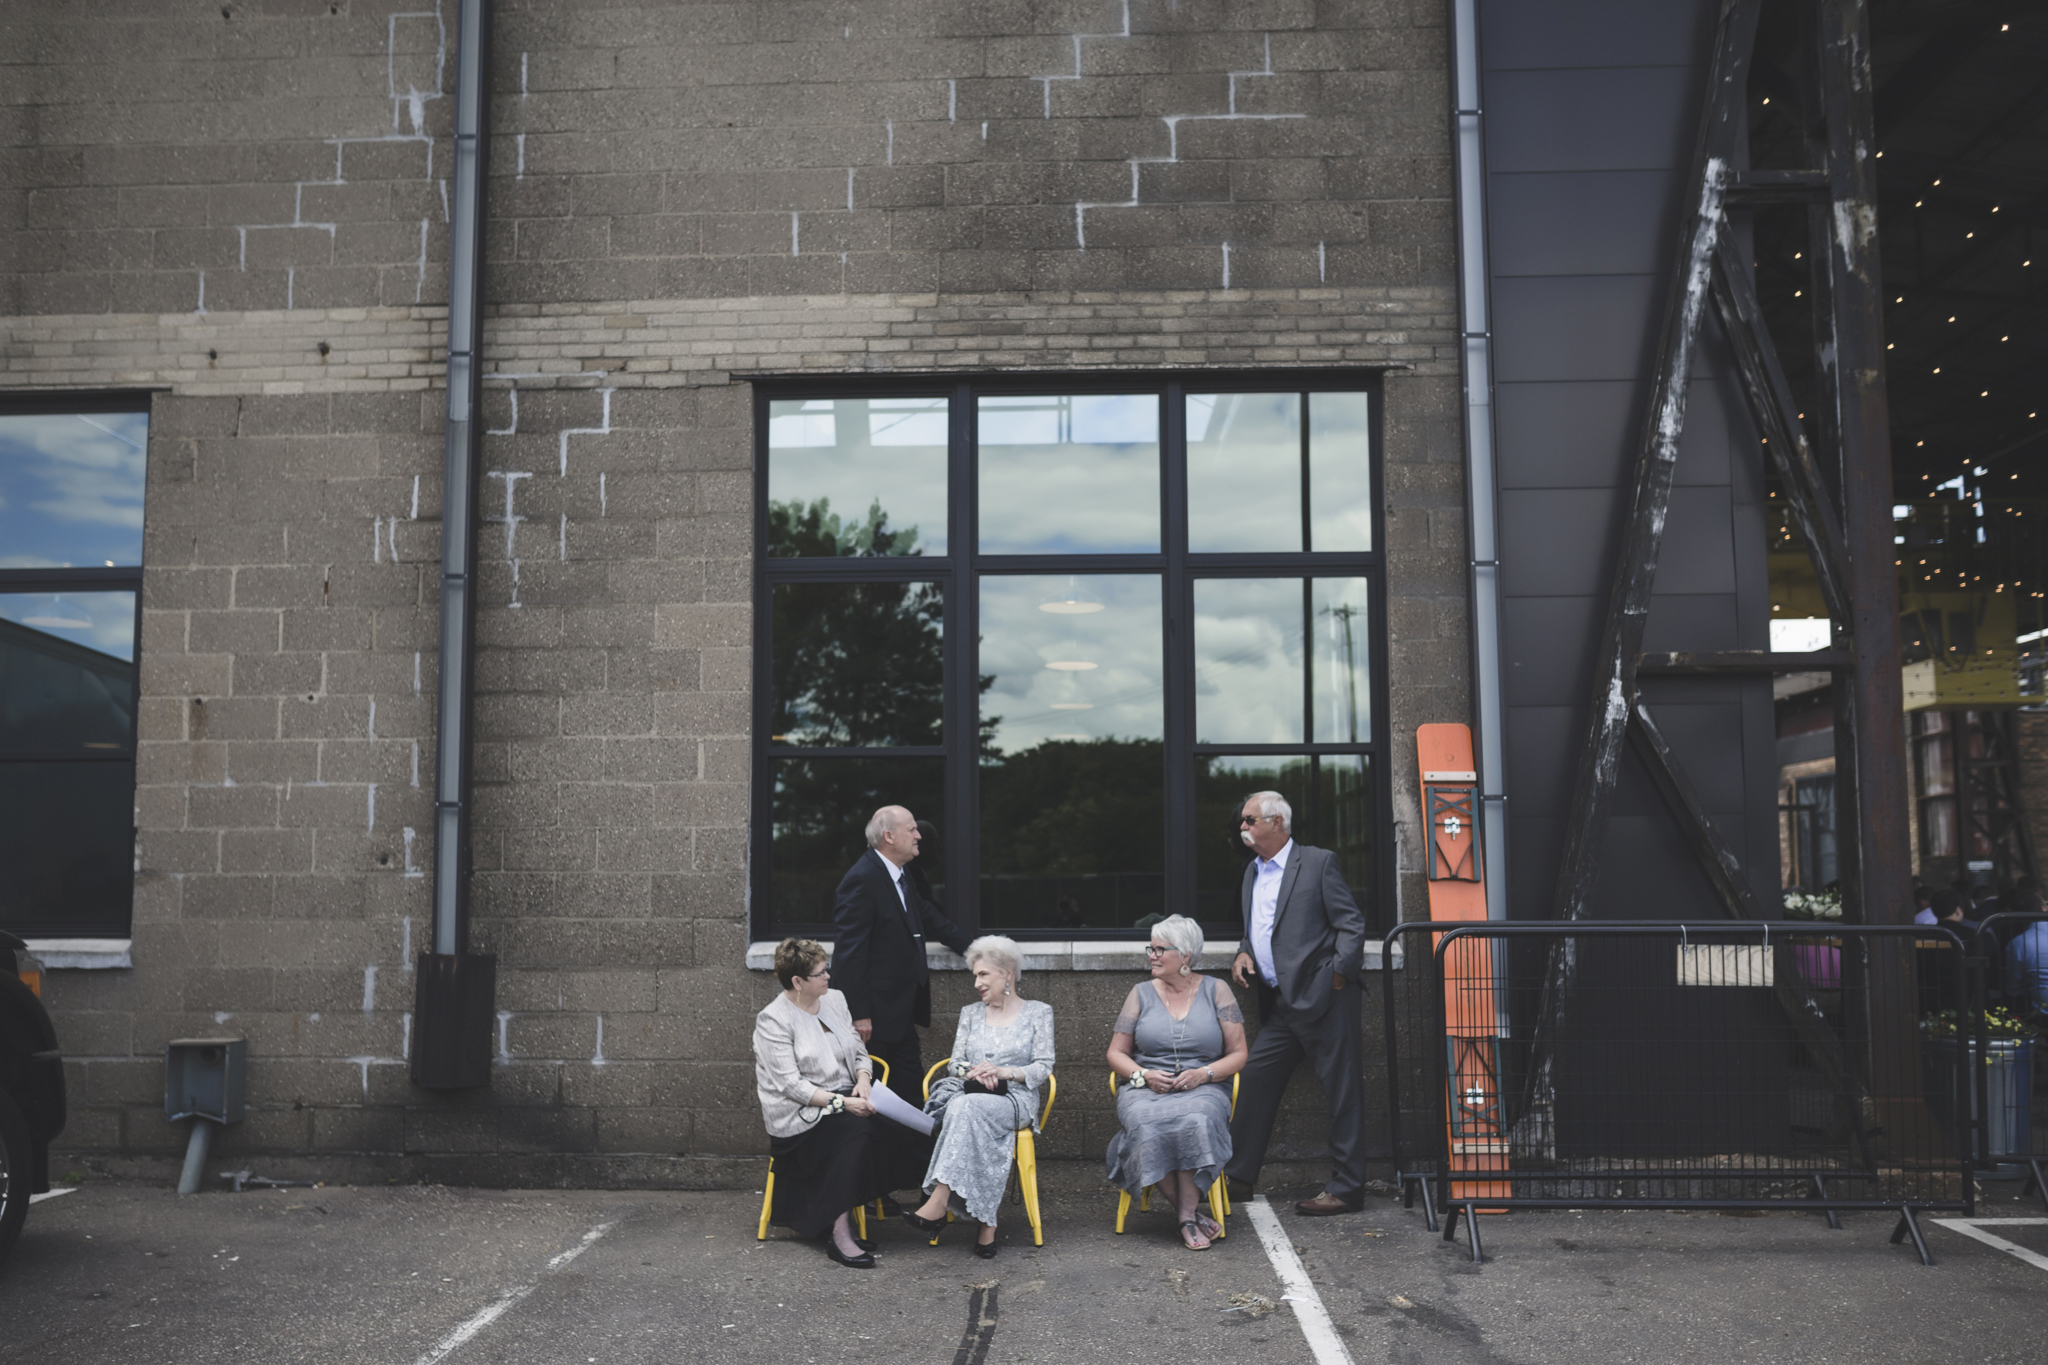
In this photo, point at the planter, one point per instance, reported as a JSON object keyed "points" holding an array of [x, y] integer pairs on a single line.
{"points": [[2008, 1092]]}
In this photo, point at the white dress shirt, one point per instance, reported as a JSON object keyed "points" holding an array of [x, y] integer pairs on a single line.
{"points": [[1266, 909]]}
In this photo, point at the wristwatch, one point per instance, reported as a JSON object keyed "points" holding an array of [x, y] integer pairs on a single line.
{"points": [[1212, 1074]]}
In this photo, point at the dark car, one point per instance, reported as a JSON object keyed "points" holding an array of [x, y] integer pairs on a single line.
{"points": [[31, 1094]]}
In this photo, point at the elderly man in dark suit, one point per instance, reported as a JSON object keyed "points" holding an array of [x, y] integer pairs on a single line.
{"points": [[878, 957], [1304, 946]]}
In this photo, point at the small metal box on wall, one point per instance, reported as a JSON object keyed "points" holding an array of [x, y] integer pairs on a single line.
{"points": [[203, 1078]]}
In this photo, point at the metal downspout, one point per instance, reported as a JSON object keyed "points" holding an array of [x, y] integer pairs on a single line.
{"points": [[451, 1040], [1476, 362]]}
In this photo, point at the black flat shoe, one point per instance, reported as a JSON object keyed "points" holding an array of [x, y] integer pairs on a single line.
{"points": [[923, 1224], [864, 1261], [864, 1244], [985, 1250]]}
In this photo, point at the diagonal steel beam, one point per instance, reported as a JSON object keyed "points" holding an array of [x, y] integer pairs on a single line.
{"points": [[1719, 145], [1772, 404]]}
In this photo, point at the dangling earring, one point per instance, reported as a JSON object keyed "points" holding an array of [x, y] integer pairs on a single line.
{"points": [[1186, 970], [1006, 988]]}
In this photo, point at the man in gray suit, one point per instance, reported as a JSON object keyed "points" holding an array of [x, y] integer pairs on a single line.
{"points": [[1304, 945]]}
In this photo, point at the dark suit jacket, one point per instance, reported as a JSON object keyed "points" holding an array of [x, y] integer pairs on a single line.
{"points": [[878, 959], [1317, 929]]}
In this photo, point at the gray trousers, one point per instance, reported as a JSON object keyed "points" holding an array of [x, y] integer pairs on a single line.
{"points": [[1332, 1043]]}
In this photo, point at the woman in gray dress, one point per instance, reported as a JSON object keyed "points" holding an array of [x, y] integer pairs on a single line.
{"points": [[1003, 1044], [1178, 1041]]}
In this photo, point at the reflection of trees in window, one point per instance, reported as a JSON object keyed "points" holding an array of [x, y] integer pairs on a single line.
{"points": [[1073, 833], [814, 530], [821, 807]]}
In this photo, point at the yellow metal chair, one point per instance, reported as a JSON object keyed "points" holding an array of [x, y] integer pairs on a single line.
{"points": [[1027, 1152], [860, 1213], [1219, 1192]]}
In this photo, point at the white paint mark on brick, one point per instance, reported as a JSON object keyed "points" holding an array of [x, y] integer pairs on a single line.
{"points": [[1226, 265], [373, 718], [405, 952], [291, 277], [598, 1058], [416, 672], [984, 130], [415, 765], [519, 140], [603, 502], [414, 98], [795, 235], [405, 1038], [369, 988], [952, 101], [415, 497], [1322, 265], [511, 520], [222, 1016], [420, 285], [377, 540], [444, 200], [522, 75], [513, 430], [504, 1046], [562, 540], [372, 829], [849, 189], [1046, 81], [364, 1063], [201, 308], [604, 430], [391, 534], [889, 157]]}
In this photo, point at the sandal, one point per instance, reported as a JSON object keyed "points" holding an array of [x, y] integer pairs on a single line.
{"points": [[1210, 1227], [1189, 1231]]}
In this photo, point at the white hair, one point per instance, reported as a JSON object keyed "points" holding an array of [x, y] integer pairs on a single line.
{"points": [[999, 952], [879, 824], [1182, 934], [1273, 803]]}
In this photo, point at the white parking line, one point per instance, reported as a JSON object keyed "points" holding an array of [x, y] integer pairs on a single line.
{"points": [[39, 1198], [489, 1314], [1315, 1322], [1974, 1227]]}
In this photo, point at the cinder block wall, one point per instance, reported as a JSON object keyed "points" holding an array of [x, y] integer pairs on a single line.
{"points": [[242, 207]]}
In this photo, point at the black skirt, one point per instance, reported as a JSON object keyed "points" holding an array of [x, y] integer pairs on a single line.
{"points": [[838, 1162]]}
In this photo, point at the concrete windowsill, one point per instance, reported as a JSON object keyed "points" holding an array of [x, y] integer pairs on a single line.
{"points": [[1063, 955], [83, 954]]}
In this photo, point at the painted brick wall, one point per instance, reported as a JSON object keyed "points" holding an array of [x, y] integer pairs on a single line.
{"points": [[682, 194]]}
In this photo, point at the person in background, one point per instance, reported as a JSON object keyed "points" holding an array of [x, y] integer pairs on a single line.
{"points": [[2026, 967], [882, 919], [1304, 945], [1177, 1043], [1923, 901]]}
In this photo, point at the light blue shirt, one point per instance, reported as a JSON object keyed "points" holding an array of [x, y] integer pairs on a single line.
{"points": [[2026, 964], [1266, 909]]}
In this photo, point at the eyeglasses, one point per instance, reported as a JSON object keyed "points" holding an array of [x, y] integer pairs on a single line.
{"points": [[1155, 950], [1244, 820]]}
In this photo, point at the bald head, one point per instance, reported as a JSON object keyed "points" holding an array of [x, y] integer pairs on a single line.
{"points": [[892, 832]]}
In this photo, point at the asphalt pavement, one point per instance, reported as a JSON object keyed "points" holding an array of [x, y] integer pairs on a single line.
{"points": [[130, 1274]]}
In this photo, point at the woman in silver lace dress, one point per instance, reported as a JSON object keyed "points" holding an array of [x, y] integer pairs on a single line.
{"points": [[1003, 1044], [1178, 1041]]}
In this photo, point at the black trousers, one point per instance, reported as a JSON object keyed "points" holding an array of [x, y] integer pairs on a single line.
{"points": [[906, 1078], [1332, 1043]]}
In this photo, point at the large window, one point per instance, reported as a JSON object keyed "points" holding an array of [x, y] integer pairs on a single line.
{"points": [[1071, 626], [71, 484]]}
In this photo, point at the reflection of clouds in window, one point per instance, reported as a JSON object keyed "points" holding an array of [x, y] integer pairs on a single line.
{"points": [[1069, 474], [71, 488], [857, 453], [1343, 634], [102, 621], [1340, 472], [1071, 676], [1244, 472], [1248, 680]]}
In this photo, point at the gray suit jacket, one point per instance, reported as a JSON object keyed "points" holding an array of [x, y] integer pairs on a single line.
{"points": [[1317, 929]]}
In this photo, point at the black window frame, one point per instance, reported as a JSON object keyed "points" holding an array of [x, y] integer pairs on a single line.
{"points": [[960, 569], [120, 578]]}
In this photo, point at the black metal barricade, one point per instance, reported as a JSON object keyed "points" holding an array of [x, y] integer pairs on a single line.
{"points": [[2010, 969], [1730, 1065]]}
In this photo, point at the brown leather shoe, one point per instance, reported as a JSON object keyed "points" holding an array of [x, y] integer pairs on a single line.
{"points": [[1325, 1204], [1239, 1189]]}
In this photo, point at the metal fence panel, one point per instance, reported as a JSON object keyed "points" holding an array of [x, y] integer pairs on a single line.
{"points": [[2010, 960]]}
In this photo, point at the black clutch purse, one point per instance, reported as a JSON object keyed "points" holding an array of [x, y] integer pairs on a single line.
{"points": [[974, 1087]]}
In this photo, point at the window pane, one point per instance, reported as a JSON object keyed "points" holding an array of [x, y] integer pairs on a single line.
{"points": [[1073, 827], [67, 676], [71, 489], [857, 476], [1332, 798], [1341, 671], [67, 840], [820, 808], [1244, 472], [858, 664], [1069, 475], [1339, 472], [1248, 683]]}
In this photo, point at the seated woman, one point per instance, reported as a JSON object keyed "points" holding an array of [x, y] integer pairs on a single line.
{"points": [[1179, 1035], [1002, 1053], [832, 1152]]}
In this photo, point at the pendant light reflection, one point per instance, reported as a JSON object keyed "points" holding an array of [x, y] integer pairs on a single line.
{"points": [[1073, 604]]}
